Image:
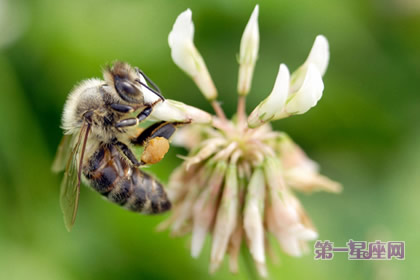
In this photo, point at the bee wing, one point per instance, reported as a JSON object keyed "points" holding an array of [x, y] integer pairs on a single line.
{"points": [[63, 153], [70, 186]]}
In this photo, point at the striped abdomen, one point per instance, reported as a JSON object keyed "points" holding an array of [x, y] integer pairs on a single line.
{"points": [[112, 176]]}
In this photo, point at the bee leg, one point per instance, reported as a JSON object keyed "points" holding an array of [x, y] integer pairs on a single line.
{"points": [[155, 138], [127, 122], [144, 114], [159, 129], [121, 108], [135, 121], [127, 152]]}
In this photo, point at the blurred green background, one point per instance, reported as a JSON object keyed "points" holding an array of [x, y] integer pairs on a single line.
{"points": [[364, 132]]}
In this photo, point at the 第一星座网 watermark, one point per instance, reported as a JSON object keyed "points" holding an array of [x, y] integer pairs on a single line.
{"points": [[361, 250]]}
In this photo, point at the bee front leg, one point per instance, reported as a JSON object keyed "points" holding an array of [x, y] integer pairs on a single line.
{"points": [[134, 121], [122, 108]]}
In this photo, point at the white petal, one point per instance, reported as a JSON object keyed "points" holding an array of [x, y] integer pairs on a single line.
{"points": [[248, 53], [149, 96], [308, 94], [274, 104], [183, 29], [250, 39], [181, 42], [174, 111], [187, 57], [320, 54]]}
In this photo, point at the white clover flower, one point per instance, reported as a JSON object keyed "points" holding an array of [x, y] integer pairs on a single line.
{"points": [[237, 183]]}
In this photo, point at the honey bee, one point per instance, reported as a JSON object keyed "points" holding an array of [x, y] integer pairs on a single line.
{"points": [[100, 122]]}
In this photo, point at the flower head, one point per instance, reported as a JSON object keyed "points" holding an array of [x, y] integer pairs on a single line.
{"points": [[238, 181]]}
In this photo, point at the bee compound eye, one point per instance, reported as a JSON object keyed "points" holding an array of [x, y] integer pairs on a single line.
{"points": [[127, 90], [125, 87]]}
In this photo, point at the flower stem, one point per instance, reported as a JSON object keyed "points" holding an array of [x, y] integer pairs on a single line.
{"points": [[219, 111], [241, 109]]}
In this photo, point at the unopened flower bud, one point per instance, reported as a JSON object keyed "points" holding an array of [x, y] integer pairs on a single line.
{"points": [[248, 53], [186, 56]]}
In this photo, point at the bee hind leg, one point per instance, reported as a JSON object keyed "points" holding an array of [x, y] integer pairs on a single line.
{"points": [[155, 140], [127, 152]]}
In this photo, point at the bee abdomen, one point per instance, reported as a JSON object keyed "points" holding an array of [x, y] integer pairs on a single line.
{"points": [[148, 195], [121, 192], [128, 186]]}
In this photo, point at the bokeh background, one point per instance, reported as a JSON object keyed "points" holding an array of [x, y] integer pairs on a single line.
{"points": [[364, 132]]}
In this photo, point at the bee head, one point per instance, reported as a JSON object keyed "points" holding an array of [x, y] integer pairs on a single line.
{"points": [[123, 78]]}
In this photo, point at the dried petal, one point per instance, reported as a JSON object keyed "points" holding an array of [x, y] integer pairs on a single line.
{"points": [[234, 247], [289, 224], [301, 172], [236, 237], [209, 148], [226, 218], [253, 216], [188, 136], [205, 209]]}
